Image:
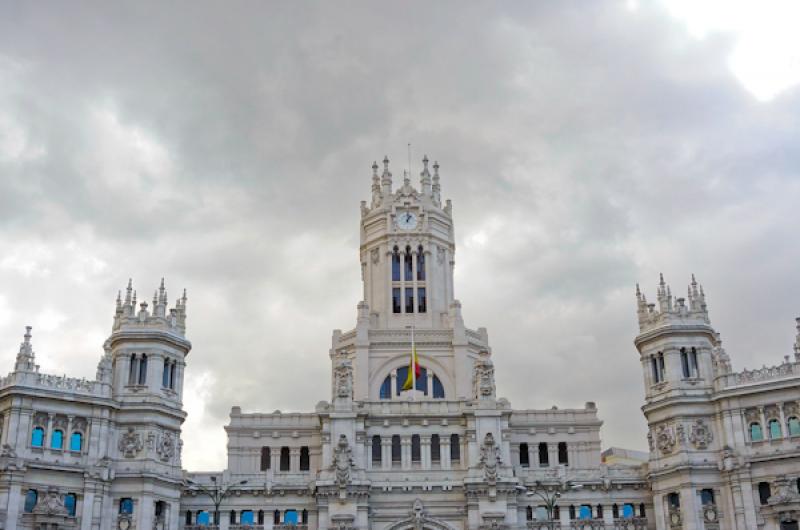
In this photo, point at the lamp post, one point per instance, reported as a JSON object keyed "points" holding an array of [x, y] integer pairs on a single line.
{"points": [[548, 498], [216, 493]]}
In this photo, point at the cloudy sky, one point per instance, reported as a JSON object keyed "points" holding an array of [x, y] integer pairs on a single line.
{"points": [[586, 146]]}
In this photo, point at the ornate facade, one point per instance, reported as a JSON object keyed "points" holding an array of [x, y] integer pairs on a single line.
{"points": [[399, 448]]}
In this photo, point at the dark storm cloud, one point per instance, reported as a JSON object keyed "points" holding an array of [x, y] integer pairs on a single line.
{"points": [[585, 147]]}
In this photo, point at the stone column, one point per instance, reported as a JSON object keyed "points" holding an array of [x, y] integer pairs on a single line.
{"points": [[393, 383], [405, 452], [425, 443], [552, 453], [430, 383], [403, 258], [275, 457], [15, 497], [414, 278], [294, 459], [444, 451], [386, 453], [533, 450]]}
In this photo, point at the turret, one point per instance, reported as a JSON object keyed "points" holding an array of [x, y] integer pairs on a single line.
{"points": [[676, 342], [26, 359], [147, 347]]}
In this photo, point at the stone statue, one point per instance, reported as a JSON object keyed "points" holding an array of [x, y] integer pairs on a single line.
{"points": [[343, 461], [490, 458], [483, 379], [343, 379]]}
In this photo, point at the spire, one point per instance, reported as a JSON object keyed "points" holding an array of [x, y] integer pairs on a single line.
{"points": [[386, 179], [436, 192], [376, 186], [119, 300], [425, 177], [26, 357], [128, 292], [162, 293], [797, 341], [406, 179]]}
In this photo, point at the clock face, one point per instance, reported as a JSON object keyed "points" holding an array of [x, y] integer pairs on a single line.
{"points": [[406, 220]]}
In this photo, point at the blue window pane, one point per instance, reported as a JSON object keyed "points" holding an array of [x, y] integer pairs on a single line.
{"points": [[794, 426], [775, 429], [422, 380], [203, 518], [37, 437], [438, 389], [585, 512], [386, 388], [290, 517], [627, 511], [247, 517], [76, 442], [421, 300], [409, 266], [420, 265], [396, 305], [126, 505], [58, 440], [396, 266], [69, 504], [409, 300], [31, 497], [755, 432]]}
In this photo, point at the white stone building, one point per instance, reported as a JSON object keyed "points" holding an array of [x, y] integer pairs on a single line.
{"points": [[396, 448]]}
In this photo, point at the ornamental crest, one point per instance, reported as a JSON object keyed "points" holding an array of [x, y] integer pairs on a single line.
{"points": [[700, 435], [130, 443], [343, 461], [490, 458], [52, 504], [665, 440], [343, 379], [166, 447], [483, 379]]}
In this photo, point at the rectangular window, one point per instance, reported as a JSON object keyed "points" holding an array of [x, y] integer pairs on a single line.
{"points": [[693, 363], [661, 368], [133, 371], [654, 364], [395, 266], [409, 300], [436, 448], [305, 460], [172, 369], [126, 505], [396, 307], [706, 497], [165, 374], [284, 459], [685, 364], [409, 267], [421, 265], [455, 448], [524, 459], [421, 300], [143, 370]]}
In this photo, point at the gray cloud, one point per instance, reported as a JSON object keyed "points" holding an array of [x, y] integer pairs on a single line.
{"points": [[585, 148]]}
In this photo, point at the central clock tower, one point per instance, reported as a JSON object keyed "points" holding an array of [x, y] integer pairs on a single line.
{"points": [[407, 247]]}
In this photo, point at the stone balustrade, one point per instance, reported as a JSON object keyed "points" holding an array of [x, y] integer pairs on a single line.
{"points": [[765, 373]]}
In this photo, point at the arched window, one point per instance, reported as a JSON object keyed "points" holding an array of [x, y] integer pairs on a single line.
{"points": [[247, 518], [305, 460], [685, 363], [396, 448], [76, 441], [764, 492], [165, 374], [386, 388], [641, 510], [563, 456], [188, 519], [409, 269], [422, 380], [265, 458], [544, 455], [57, 440], [571, 511], [304, 516], [438, 388], [284, 459], [232, 517], [143, 370], [420, 265], [133, 370], [628, 511], [794, 426], [203, 518], [69, 503], [276, 517], [173, 367], [524, 459], [585, 512], [37, 437], [376, 449], [260, 516], [31, 498], [756, 435], [599, 513], [290, 517], [436, 448], [615, 511], [396, 266], [775, 429], [415, 448], [529, 513], [455, 448], [556, 513]]}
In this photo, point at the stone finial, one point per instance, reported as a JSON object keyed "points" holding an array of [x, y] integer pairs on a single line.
{"points": [[386, 178], [436, 191], [26, 357], [425, 178]]}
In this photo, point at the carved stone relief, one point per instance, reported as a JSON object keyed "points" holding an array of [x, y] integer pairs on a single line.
{"points": [[343, 379], [483, 379], [701, 435], [130, 443], [490, 458], [665, 439], [343, 461]]}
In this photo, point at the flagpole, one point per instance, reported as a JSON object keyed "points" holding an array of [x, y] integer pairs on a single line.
{"points": [[413, 367]]}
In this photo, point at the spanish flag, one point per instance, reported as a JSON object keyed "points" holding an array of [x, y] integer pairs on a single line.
{"points": [[414, 370]]}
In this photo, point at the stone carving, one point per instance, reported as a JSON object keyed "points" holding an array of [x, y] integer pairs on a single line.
{"points": [[752, 415], [483, 379], [343, 379], [729, 461], [130, 443], [650, 440], [51, 504], [166, 447], [665, 439], [790, 409], [784, 491], [490, 458], [441, 253], [65, 383], [343, 461], [700, 435], [680, 433], [8, 452], [376, 256], [764, 373], [60, 422], [41, 419], [79, 424]]}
